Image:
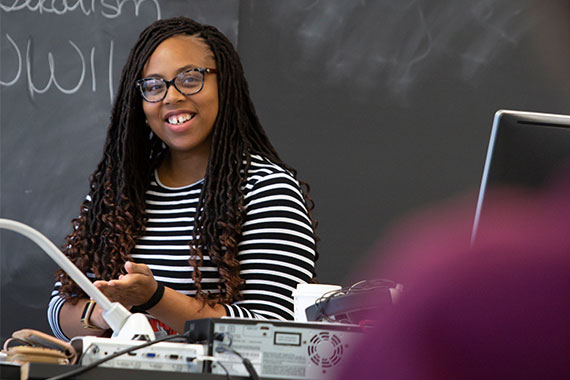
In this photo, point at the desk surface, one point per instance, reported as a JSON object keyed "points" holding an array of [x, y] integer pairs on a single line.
{"points": [[42, 371]]}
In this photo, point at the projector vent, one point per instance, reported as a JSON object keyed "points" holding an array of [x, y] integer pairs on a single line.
{"points": [[325, 349]]}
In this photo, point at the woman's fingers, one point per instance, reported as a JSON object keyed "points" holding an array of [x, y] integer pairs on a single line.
{"points": [[133, 288], [133, 268]]}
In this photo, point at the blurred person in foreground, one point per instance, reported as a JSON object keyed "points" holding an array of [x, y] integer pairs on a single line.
{"points": [[497, 310]]}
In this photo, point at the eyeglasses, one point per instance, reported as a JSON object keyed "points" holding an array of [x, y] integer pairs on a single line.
{"points": [[188, 82]]}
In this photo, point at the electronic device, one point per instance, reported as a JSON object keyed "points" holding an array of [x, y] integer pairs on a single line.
{"points": [[359, 303], [525, 150], [162, 356], [291, 350]]}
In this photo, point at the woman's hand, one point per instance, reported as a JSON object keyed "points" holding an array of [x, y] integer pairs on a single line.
{"points": [[174, 309], [134, 288]]}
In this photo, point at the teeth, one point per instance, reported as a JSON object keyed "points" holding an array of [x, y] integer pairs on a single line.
{"points": [[175, 120]]}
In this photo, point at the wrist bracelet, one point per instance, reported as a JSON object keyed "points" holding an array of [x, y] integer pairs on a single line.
{"points": [[154, 299], [86, 316]]}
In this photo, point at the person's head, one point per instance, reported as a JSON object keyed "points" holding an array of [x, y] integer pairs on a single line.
{"points": [[235, 125], [137, 141]]}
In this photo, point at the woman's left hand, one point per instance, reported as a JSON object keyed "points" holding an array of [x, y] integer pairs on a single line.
{"points": [[134, 288]]}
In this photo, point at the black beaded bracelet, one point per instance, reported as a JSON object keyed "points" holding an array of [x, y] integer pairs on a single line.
{"points": [[154, 299]]}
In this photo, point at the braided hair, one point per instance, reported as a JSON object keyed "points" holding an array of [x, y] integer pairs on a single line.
{"points": [[113, 215]]}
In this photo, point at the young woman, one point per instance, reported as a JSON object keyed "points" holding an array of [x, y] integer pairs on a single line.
{"points": [[191, 213]]}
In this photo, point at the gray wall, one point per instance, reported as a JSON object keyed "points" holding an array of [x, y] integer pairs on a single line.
{"points": [[383, 106]]}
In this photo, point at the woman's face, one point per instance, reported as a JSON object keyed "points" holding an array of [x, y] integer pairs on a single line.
{"points": [[183, 122]]}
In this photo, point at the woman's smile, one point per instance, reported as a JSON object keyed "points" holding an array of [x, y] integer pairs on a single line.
{"points": [[179, 121]]}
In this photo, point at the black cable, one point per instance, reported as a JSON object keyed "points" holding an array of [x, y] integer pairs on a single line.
{"points": [[225, 369], [86, 368], [246, 362], [323, 301]]}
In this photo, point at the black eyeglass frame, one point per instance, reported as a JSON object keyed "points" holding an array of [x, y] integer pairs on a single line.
{"points": [[202, 70]]}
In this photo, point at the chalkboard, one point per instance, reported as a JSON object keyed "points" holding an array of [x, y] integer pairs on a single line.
{"points": [[383, 107]]}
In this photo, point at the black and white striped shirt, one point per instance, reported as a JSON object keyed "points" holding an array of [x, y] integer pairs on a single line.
{"points": [[276, 251]]}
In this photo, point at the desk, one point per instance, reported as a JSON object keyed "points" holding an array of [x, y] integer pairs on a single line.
{"points": [[41, 371]]}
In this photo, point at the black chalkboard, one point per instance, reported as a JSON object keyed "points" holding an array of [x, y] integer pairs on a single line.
{"points": [[383, 106]]}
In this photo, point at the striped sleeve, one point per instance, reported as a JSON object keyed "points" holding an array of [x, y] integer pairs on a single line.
{"points": [[277, 249], [54, 308]]}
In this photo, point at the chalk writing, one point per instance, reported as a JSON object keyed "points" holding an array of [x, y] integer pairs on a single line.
{"points": [[117, 8], [111, 50], [33, 89], [10, 83], [52, 81], [107, 8], [92, 60], [21, 66], [43, 6]]}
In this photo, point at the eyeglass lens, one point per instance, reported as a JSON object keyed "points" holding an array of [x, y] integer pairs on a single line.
{"points": [[187, 83]]}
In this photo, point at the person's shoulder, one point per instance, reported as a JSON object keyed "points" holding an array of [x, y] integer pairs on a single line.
{"points": [[261, 166], [263, 170]]}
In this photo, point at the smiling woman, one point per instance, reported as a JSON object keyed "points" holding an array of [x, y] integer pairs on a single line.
{"points": [[191, 213]]}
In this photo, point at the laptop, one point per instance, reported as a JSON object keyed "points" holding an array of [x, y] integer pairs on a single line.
{"points": [[525, 150]]}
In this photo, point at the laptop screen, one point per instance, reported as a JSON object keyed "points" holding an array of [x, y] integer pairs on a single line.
{"points": [[525, 150]]}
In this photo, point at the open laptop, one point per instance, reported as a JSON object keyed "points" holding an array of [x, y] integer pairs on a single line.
{"points": [[525, 150]]}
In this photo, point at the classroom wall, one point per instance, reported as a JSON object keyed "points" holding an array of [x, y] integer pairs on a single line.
{"points": [[383, 106]]}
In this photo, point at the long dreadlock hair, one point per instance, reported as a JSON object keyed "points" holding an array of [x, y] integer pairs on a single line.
{"points": [[113, 215]]}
